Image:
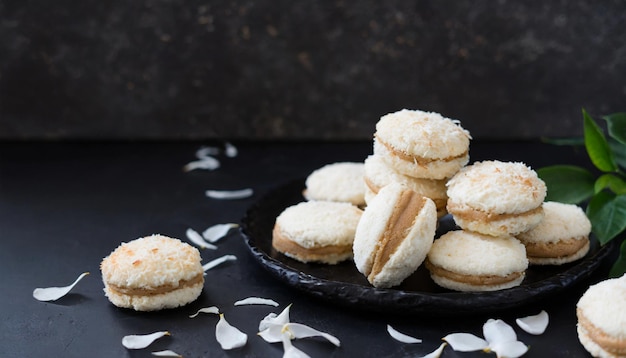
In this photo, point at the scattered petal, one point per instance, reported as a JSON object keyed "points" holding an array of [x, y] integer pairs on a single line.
{"points": [[211, 309], [270, 327], [211, 264], [167, 353], [513, 349], [536, 324], [437, 352], [401, 336], [231, 150], [206, 152], [256, 301], [465, 342], [216, 232], [229, 194], [229, 337], [298, 330], [290, 350], [208, 163], [54, 293], [502, 339], [140, 341], [197, 239]]}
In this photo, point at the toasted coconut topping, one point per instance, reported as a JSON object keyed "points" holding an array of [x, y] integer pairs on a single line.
{"points": [[54, 293]]}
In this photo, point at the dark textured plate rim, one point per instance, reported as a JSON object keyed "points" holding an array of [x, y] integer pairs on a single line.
{"points": [[411, 302]]}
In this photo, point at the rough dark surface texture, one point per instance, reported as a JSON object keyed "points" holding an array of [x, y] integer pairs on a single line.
{"points": [[292, 69]]}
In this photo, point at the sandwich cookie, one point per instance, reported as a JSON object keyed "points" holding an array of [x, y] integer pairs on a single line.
{"points": [[316, 231], [342, 181], [377, 174], [601, 313], [466, 261], [561, 237], [422, 144], [152, 273], [496, 198], [394, 235]]}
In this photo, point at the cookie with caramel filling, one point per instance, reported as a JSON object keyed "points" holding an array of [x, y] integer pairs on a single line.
{"points": [[466, 261], [394, 235], [152, 273]]}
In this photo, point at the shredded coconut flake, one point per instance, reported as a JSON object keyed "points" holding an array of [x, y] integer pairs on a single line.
{"points": [[54, 293], [230, 150], [437, 352], [298, 330], [205, 152], [211, 264], [229, 194], [166, 353], [208, 163], [229, 337], [216, 232], [211, 309], [140, 341], [536, 324], [256, 301], [465, 342], [197, 239], [401, 336]]}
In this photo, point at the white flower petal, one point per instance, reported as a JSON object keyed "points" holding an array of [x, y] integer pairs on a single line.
{"points": [[290, 350], [465, 342], [205, 152], [509, 349], [270, 327], [298, 330], [437, 352], [229, 194], [54, 293], [229, 337], [166, 353], [536, 324], [216, 232], [140, 341], [208, 163], [220, 260], [401, 336], [256, 301], [211, 309], [497, 331], [197, 239], [231, 150]]}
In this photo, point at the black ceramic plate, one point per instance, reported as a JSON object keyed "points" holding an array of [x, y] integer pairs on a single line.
{"points": [[418, 294]]}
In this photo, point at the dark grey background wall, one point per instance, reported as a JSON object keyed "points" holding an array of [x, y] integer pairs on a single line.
{"points": [[305, 69]]}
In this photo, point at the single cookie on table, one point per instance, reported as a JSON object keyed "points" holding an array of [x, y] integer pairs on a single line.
{"points": [[342, 182], [153, 273], [377, 174], [316, 231], [561, 237], [394, 235], [465, 261], [496, 198], [422, 144], [601, 313]]}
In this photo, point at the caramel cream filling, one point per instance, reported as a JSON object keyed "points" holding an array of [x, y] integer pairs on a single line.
{"points": [[198, 279], [477, 215], [440, 204], [561, 248], [400, 222], [283, 244], [417, 159], [487, 280], [610, 344]]}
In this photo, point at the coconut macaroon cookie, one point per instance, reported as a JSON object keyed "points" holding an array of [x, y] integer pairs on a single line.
{"points": [[342, 181], [465, 261], [601, 313], [422, 144], [394, 235], [377, 174], [152, 273], [561, 237], [496, 198], [316, 231]]}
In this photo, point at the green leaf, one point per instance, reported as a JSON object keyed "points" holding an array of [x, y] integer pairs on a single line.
{"points": [[608, 217], [619, 266], [615, 183], [616, 124], [619, 152], [597, 146], [567, 183]]}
